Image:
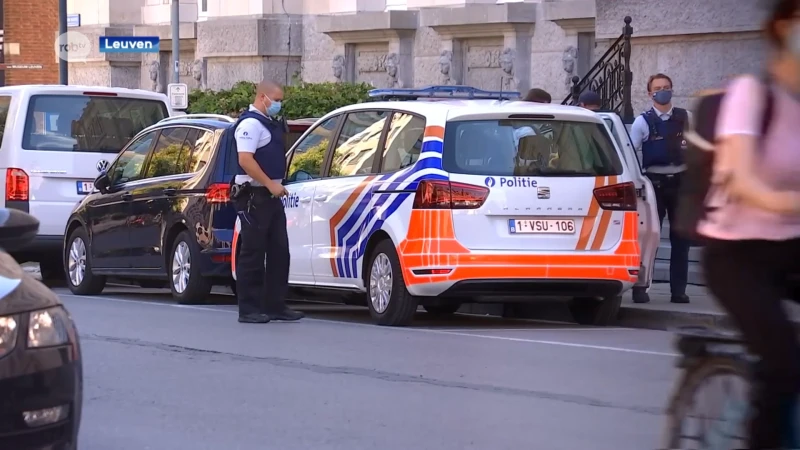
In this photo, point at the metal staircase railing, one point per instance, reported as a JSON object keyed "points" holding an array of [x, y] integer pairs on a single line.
{"points": [[610, 78]]}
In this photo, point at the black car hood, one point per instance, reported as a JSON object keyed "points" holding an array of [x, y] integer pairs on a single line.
{"points": [[20, 292]]}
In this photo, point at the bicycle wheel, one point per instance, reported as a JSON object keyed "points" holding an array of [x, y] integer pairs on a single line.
{"points": [[720, 426]]}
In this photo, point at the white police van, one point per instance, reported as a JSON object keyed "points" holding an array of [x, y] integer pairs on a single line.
{"points": [[55, 141], [460, 195]]}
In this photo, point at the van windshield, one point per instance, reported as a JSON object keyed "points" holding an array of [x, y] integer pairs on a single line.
{"points": [[529, 148], [81, 123]]}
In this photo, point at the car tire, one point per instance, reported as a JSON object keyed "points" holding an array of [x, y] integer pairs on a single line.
{"points": [[595, 311], [442, 310], [398, 306], [187, 284], [77, 260]]}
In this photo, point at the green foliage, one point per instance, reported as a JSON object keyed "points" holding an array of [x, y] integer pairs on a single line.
{"points": [[170, 160], [302, 100]]}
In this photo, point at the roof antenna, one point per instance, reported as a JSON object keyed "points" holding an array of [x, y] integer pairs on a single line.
{"points": [[501, 88]]}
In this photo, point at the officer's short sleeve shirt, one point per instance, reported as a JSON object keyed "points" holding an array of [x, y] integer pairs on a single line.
{"points": [[250, 135]]}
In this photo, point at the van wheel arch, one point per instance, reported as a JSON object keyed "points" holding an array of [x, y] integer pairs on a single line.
{"points": [[372, 242]]}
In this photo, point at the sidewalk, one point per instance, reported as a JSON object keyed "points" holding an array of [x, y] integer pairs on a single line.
{"points": [[660, 314]]}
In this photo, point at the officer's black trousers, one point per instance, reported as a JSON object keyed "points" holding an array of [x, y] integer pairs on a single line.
{"points": [[666, 187], [263, 289]]}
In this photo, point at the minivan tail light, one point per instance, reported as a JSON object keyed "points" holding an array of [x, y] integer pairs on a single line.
{"points": [[617, 197], [218, 193], [17, 185], [443, 194]]}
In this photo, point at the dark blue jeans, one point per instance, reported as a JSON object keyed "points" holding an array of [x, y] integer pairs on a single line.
{"points": [[748, 278], [666, 187]]}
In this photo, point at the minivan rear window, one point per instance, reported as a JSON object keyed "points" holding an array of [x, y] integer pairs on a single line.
{"points": [[82, 123], [525, 147]]}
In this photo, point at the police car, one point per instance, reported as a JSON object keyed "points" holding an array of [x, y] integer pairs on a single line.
{"points": [[445, 195]]}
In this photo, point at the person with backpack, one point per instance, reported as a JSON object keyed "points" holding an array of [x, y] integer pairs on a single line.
{"points": [[658, 135], [259, 140], [742, 198]]}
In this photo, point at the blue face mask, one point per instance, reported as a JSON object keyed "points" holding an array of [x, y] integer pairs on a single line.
{"points": [[274, 108], [662, 97]]}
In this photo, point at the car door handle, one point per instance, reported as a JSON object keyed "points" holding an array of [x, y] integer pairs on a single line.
{"points": [[126, 196], [321, 198], [305, 199], [170, 192]]}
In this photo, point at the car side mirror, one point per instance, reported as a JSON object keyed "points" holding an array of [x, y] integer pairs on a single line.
{"points": [[300, 175], [17, 229], [102, 183]]}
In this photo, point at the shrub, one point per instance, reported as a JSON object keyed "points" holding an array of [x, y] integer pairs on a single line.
{"points": [[302, 100]]}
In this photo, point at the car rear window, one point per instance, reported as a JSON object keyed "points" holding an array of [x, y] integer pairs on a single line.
{"points": [[83, 123], [511, 147]]}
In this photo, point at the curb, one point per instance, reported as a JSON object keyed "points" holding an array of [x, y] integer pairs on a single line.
{"points": [[663, 320]]}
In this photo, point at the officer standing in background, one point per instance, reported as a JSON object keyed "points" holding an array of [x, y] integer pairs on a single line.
{"points": [[262, 166], [590, 100], [658, 134]]}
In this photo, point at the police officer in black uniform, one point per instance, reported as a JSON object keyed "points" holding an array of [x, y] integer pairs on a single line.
{"points": [[658, 132], [258, 190]]}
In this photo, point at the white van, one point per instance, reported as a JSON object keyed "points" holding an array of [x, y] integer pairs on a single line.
{"points": [[54, 141]]}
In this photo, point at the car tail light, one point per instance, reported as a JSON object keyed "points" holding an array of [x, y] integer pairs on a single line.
{"points": [[17, 185], [443, 194], [617, 197], [218, 193], [101, 94]]}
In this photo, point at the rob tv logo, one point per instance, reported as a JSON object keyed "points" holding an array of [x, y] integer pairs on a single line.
{"points": [[72, 46], [129, 44]]}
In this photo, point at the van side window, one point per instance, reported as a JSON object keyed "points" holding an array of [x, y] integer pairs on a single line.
{"points": [[5, 104], [358, 143], [308, 156], [169, 156], [86, 123], [403, 143]]}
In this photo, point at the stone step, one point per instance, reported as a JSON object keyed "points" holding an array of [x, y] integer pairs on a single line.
{"points": [[661, 274]]}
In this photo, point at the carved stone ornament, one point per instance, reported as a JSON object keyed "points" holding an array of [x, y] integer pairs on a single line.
{"points": [[155, 69], [338, 67], [569, 60], [507, 61], [199, 72], [445, 65], [392, 64]]}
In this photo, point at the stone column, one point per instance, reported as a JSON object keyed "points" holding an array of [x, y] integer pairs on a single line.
{"points": [[401, 47]]}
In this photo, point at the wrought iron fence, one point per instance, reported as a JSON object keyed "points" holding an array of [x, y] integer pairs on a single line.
{"points": [[610, 77]]}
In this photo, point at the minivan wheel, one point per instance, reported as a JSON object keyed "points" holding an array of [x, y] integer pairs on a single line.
{"points": [[388, 300], [78, 266], [595, 311], [185, 280]]}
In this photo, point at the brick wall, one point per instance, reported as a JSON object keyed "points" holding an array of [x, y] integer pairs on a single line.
{"points": [[33, 24]]}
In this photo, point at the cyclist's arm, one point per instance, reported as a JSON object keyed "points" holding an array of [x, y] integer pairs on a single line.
{"points": [[738, 132]]}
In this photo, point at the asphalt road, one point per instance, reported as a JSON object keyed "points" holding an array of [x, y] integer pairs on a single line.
{"points": [[166, 377]]}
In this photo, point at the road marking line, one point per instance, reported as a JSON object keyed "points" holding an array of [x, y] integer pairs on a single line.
{"points": [[469, 330], [419, 330]]}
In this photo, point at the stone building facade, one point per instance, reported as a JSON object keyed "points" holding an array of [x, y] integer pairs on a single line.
{"points": [[489, 44]]}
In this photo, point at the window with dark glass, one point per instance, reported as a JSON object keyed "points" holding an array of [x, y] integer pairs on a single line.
{"points": [[170, 156], [403, 142], [357, 145]]}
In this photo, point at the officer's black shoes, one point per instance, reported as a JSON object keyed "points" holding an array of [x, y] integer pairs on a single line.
{"points": [[287, 315], [640, 295], [682, 298], [253, 318]]}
